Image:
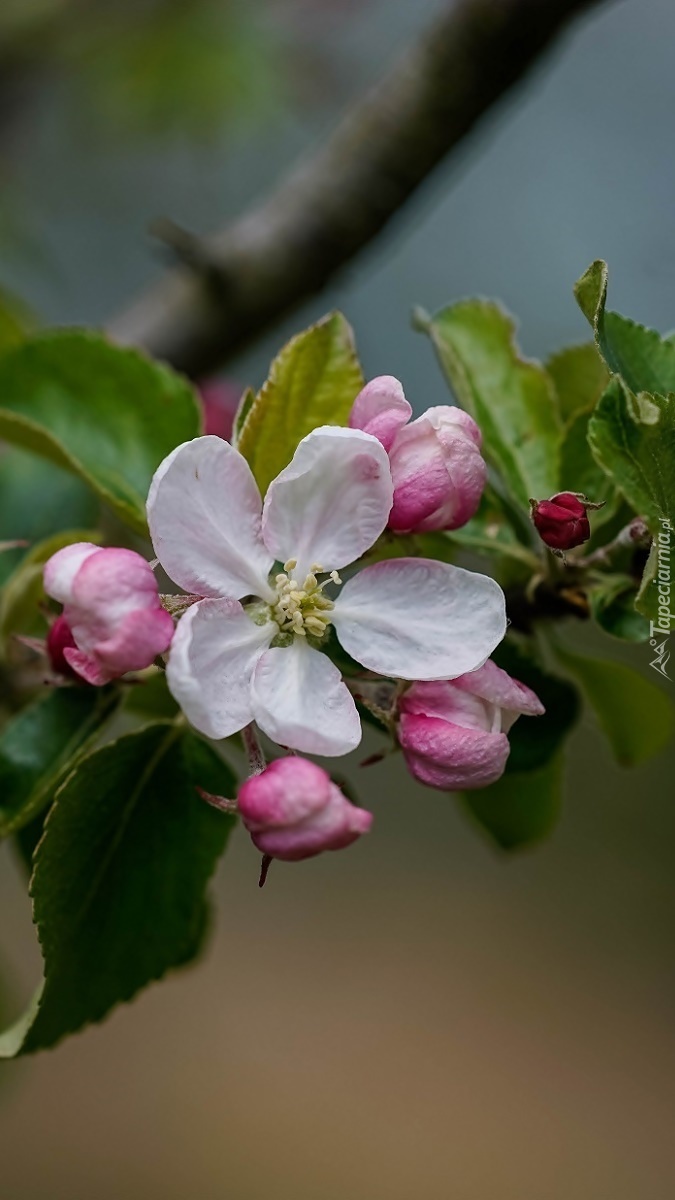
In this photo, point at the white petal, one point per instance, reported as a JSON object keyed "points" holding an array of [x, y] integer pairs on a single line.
{"points": [[60, 570], [300, 701], [211, 663], [331, 502], [415, 618], [204, 512]]}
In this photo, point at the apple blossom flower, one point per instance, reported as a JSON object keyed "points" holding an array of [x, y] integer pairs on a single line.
{"points": [[562, 522], [293, 810], [251, 649], [112, 612], [453, 732], [436, 464]]}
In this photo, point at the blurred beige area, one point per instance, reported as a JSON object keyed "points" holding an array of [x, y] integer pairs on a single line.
{"points": [[418, 1017], [415, 1017]]}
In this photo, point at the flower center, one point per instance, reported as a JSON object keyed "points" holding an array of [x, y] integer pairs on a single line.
{"points": [[302, 608]]}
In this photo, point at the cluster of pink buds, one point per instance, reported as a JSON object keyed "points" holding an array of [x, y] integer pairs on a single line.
{"points": [[112, 621], [562, 522], [436, 464]]}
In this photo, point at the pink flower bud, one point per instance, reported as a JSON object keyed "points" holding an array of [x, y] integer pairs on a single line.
{"points": [[562, 521], [293, 810], [453, 733], [111, 608], [59, 639], [436, 465], [381, 409], [220, 400]]}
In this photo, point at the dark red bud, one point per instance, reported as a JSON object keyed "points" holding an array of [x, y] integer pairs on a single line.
{"points": [[60, 638], [561, 522]]}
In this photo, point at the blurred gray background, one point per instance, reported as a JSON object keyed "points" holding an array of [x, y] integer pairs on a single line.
{"points": [[417, 1016]]}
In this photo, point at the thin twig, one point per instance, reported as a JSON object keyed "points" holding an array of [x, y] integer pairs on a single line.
{"points": [[244, 278]]}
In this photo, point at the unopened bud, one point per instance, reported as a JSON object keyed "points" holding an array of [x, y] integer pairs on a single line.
{"points": [[60, 638], [293, 810], [112, 612], [562, 522]]}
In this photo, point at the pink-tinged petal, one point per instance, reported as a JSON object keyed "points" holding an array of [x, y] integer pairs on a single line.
{"points": [[381, 409], [437, 470], [204, 513], [331, 502], [497, 687], [293, 810], [115, 613], [451, 757], [59, 639], [333, 829], [213, 656], [300, 701], [415, 618], [87, 668], [62, 567], [443, 698], [288, 791]]}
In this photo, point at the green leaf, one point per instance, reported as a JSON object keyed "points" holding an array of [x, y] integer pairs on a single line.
{"points": [[633, 440], [521, 807], [536, 740], [644, 360], [511, 398], [243, 409], [612, 603], [37, 499], [24, 591], [109, 415], [313, 381], [15, 321], [580, 471], [42, 743], [490, 532], [119, 878], [579, 377], [637, 716], [151, 696]]}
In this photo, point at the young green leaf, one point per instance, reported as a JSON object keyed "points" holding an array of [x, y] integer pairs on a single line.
{"points": [[636, 715], [119, 877], [313, 381], [37, 500], [520, 808], [644, 360], [579, 377], [511, 398], [633, 440], [107, 414], [42, 744], [613, 606]]}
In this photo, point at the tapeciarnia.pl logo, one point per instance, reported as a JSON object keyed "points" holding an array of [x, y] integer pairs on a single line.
{"points": [[661, 580]]}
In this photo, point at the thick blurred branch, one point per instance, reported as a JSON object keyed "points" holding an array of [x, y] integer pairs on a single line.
{"points": [[234, 284]]}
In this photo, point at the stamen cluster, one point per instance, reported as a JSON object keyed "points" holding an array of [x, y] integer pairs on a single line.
{"points": [[303, 609]]}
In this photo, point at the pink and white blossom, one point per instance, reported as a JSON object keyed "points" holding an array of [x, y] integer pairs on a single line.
{"points": [[293, 810], [112, 620], [453, 732], [437, 468], [252, 648]]}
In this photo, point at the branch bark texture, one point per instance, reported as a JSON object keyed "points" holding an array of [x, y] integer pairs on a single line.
{"points": [[236, 283]]}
